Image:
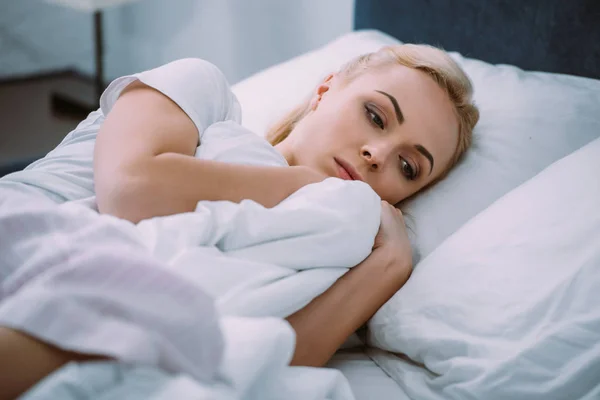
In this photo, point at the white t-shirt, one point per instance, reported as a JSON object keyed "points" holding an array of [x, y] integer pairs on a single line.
{"points": [[198, 87]]}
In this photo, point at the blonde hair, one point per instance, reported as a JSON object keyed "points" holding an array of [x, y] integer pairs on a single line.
{"points": [[431, 60]]}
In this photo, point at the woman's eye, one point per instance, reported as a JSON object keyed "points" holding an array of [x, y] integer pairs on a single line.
{"points": [[374, 117], [407, 170]]}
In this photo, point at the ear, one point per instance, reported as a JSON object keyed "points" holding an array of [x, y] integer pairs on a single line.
{"points": [[323, 87]]}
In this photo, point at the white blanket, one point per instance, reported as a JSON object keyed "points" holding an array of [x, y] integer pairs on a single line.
{"points": [[269, 262], [255, 359], [266, 262], [97, 284]]}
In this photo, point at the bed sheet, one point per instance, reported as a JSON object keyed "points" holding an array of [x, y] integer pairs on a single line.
{"points": [[367, 380]]}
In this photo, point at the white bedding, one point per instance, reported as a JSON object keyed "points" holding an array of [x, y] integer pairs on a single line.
{"points": [[85, 282], [68, 272], [367, 380], [110, 380], [266, 262], [507, 307], [269, 262], [254, 367]]}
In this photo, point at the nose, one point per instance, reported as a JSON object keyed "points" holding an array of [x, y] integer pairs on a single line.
{"points": [[375, 156]]}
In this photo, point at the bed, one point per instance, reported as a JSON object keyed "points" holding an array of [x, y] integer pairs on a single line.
{"points": [[507, 248], [553, 117]]}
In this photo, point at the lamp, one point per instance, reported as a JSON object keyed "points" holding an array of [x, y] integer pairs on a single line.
{"points": [[95, 6]]}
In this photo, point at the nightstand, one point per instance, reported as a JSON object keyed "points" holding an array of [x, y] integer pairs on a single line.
{"points": [[62, 104]]}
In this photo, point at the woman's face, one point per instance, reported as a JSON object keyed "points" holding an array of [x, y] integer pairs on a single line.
{"points": [[392, 127]]}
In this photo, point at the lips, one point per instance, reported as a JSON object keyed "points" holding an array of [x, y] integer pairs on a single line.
{"points": [[346, 171]]}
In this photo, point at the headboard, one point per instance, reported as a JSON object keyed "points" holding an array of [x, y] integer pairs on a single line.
{"points": [[560, 36]]}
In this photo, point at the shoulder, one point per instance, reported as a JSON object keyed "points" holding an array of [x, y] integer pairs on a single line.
{"points": [[187, 69], [191, 77], [198, 86]]}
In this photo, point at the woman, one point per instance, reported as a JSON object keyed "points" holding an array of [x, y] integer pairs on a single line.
{"points": [[398, 119]]}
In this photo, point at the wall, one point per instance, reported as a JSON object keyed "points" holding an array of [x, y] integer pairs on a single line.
{"points": [[240, 36]]}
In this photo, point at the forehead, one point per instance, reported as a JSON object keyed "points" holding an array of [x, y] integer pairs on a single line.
{"points": [[429, 116]]}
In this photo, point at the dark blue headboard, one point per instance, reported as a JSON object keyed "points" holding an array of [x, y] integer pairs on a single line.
{"points": [[545, 35]]}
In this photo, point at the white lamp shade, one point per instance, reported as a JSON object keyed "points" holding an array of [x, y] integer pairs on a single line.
{"points": [[90, 5]]}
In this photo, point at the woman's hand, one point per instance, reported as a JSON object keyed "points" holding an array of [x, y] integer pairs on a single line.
{"points": [[392, 243], [323, 325]]}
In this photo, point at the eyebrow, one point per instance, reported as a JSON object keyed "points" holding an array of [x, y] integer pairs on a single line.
{"points": [[427, 155], [399, 115], [400, 118]]}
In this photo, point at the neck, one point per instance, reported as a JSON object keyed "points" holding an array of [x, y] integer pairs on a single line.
{"points": [[285, 150]]}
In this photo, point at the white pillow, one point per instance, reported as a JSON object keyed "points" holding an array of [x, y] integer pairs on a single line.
{"points": [[508, 306], [267, 95], [528, 120]]}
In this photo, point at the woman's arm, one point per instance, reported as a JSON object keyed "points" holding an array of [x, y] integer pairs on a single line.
{"points": [[144, 164], [25, 360], [325, 323]]}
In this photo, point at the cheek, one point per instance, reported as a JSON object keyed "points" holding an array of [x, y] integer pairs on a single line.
{"points": [[334, 130], [342, 119], [391, 188]]}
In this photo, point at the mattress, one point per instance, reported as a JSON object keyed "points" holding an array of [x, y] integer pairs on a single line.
{"points": [[367, 380]]}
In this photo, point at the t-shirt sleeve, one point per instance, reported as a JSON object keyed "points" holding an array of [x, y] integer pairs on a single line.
{"points": [[198, 87]]}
